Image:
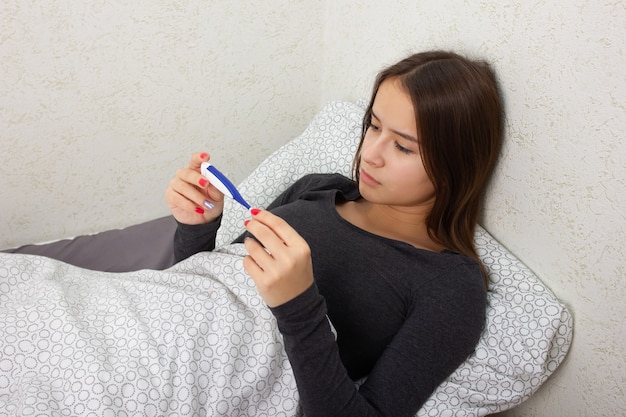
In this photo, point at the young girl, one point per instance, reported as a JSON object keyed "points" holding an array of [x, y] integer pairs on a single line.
{"points": [[388, 257]]}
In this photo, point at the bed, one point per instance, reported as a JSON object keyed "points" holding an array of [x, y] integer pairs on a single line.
{"points": [[106, 324]]}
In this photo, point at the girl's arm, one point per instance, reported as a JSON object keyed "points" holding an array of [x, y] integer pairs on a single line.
{"points": [[438, 335], [441, 329], [191, 239]]}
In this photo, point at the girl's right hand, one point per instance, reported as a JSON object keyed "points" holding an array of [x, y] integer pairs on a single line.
{"points": [[189, 194]]}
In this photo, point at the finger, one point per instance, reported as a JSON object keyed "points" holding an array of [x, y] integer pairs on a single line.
{"points": [[194, 167], [195, 178], [251, 267], [258, 254], [267, 239], [179, 203], [198, 158], [188, 198], [192, 176], [187, 190]]}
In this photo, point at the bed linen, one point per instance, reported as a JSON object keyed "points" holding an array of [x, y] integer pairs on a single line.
{"points": [[528, 330], [195, 339]]}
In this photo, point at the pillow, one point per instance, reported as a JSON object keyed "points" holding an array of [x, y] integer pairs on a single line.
{"points": [[528, 330]]}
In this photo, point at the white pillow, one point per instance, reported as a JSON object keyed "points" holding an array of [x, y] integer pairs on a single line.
{"points": [[528, 330]]}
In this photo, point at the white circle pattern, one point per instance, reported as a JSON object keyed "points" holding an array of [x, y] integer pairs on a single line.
{"points": [[194, 340]]}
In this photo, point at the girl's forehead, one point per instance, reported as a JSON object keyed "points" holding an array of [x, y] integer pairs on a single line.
{"points": [[393, 105]]}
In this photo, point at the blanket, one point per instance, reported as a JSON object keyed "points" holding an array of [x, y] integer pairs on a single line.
{"points": [[196, 339]]}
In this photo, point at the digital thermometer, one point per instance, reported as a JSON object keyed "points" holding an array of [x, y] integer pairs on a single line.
{"points": [[222, 183]]}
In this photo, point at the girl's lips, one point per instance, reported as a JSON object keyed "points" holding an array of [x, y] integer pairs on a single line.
{"points": [[368, 179]]}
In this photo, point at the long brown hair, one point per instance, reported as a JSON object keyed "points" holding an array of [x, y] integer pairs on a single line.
{"points": [[459, 118]]}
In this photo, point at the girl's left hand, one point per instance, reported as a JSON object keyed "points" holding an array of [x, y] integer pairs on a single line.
{"points": [[280, 261]]}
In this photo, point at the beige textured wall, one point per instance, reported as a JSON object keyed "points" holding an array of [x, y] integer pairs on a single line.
{"points": [[559, 198], [101, 101], [98, 103]]}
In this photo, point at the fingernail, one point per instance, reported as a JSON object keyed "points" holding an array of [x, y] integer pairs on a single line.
{"points": [[246, 222], [255, 211], [208, 204], [199, 210], [203, 155], [202, 182]]}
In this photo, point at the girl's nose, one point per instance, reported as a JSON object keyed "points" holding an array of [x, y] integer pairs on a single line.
{"points": [[372, 152]]}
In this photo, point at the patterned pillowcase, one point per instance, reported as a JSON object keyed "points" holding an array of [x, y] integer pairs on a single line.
{"points": [[528, 330]]}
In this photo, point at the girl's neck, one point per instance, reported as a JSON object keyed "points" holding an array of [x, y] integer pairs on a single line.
{"points": [[398, 223]]}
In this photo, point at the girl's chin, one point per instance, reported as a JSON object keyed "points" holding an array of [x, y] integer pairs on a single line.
{"points": [[368, 192]]}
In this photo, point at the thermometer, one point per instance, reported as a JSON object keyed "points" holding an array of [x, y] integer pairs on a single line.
{"points": [[222, 183]]}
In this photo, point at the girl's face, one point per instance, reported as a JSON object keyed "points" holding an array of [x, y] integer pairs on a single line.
{"points": [[392, 172]]}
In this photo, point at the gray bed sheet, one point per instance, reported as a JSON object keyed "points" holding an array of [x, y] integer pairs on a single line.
{"points": [[147, 245]]}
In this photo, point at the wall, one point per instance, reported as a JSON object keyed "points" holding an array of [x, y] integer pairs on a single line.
{"points": [[101, 101], [558, 200]]}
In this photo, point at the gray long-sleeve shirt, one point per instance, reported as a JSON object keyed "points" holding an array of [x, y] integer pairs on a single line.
{"points": [[405, 317]]}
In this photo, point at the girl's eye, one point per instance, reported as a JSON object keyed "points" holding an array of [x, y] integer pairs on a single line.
{"points": [[374, 127], [403, 149]]}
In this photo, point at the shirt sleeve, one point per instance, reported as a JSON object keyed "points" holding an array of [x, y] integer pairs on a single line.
{"points": [[191, 239], [441, 330]]}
